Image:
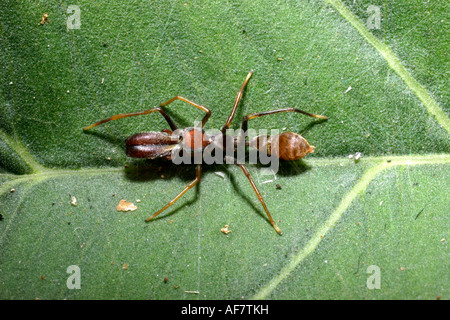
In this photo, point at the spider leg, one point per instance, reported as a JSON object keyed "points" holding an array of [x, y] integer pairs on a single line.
{"points": [[258, 194], [156, 109], [236, 102], [198, 169]]}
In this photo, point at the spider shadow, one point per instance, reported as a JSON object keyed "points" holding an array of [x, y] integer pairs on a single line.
{"points": [[286, 168], [313, 123], [146, 170], [141, 171], [114, 140]]}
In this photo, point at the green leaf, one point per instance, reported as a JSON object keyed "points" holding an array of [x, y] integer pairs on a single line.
{"points": [[385, 91]]}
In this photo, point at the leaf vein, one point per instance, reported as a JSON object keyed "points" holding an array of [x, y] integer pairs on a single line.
{"points": [[394, 62], [335, 216]]}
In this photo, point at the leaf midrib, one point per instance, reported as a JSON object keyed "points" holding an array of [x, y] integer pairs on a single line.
{"points": [[46, 173]]}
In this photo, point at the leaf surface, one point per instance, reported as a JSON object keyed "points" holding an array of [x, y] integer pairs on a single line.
{"points": [[385, 91]]}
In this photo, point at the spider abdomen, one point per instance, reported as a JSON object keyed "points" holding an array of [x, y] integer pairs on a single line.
{"points": [[286, 146]]}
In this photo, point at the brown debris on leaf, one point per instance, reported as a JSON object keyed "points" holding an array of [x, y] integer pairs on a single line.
{"points": [[44, 19], [225, 229], [125, 206]]}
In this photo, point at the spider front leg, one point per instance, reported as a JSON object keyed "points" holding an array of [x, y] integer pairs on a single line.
{"points": [[156, 109], [192, 103], [140, 113]]}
